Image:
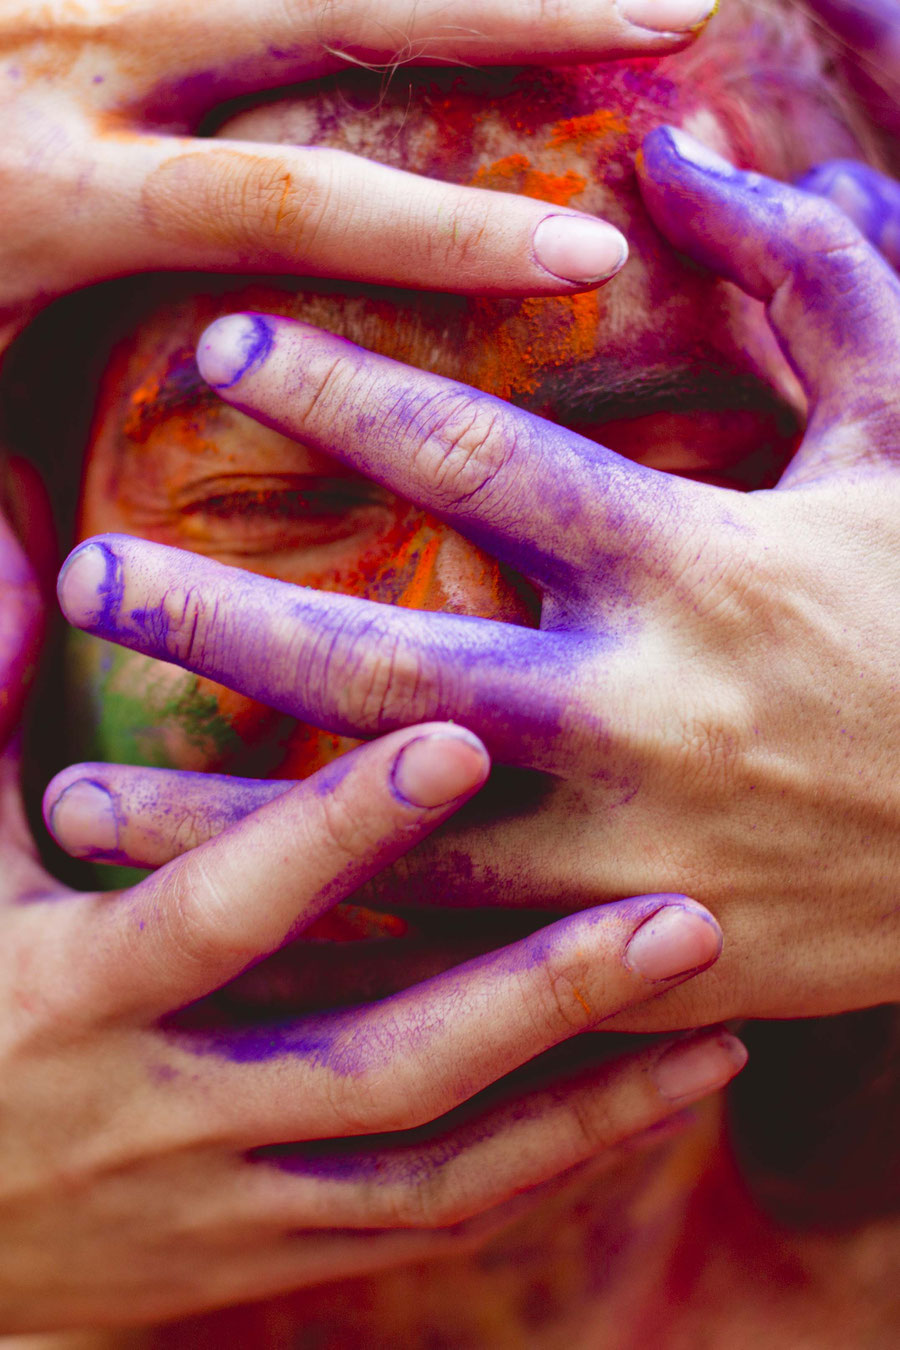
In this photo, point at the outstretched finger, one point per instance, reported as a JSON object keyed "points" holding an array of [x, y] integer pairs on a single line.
{"points": [[206, 917], [351, 666], [138, 817], [466, 1170], [276, 44], [412, 1057], [532, 494], [871, 199], [832, 300], [214, 205]]}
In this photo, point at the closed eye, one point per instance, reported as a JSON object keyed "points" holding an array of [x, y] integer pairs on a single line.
{"points": [[254, 513]]}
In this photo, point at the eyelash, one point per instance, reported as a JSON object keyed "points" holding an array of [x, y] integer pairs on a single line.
{"points": [[259, 517]]}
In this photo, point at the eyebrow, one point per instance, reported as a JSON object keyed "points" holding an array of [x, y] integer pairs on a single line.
{"points": [[606, 391], [180, 388]]}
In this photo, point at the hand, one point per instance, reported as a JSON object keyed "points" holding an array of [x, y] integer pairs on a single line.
{"points": [[712, 691], [102, 174], [150, 1164]]}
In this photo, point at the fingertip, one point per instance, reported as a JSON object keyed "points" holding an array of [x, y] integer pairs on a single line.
{"points": [[439, 768], [681, 938], [701, 1064], [81, 816], [233, 346], [89, 586], [578, 249], [678, 17]]}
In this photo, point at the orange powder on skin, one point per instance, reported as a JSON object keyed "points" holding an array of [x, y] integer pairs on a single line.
{"points": [[515, 173], [538, 335], [545, 332], [581, 132]]}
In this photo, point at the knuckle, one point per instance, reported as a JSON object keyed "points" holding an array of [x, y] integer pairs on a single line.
{"points": [[381, 685], [593, 1124], [560, 1005], [284, 206], [465, 451], [422, 1201], [197, 916], [345, 829], [182, 625], [324, 389]]}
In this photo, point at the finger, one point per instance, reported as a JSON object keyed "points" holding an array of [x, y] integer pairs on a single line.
{"points": [[350, 665], [163, 203], [832, 300], [207, 916], [869, 198], [469, 1169], [532, 494], [411, 1058], [137, 817], [283, 44]]}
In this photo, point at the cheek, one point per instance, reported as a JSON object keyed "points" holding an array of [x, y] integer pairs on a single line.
{"points": [[418, 562], [129, 709]]}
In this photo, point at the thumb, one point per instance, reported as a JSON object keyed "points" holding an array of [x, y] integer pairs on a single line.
{"points": [[832, 300]]}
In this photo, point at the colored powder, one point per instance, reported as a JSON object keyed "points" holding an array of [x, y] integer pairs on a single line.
{"points": [[539, 335], [591, 128], [515, 173], [415, 595]]}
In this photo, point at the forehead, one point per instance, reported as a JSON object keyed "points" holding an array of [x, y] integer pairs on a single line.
{"points": [[759, 69]]}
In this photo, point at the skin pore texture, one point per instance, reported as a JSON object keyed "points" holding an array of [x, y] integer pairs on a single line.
{"points": [[670, 367]]}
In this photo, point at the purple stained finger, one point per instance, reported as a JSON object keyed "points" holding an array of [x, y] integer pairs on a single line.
{"points": [[351, 666], [868, 197], [555, 506], [140, 817], [833, 300]]}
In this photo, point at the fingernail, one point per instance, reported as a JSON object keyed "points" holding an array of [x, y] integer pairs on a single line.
{"points": [[434, 770], [668, 16], [673, 941], [694, 152], [233, 346], [83, 820], [694, 1068], [89, 586], [574, 248]]}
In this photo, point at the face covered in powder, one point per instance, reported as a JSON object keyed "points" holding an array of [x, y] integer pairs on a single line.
{"points": [[666, 364]]}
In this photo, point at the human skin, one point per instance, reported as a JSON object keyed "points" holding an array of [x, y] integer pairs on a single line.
{"points": [[103, 174], [630, 694], [635, 833], [132, 1186]]}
